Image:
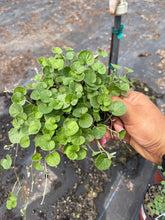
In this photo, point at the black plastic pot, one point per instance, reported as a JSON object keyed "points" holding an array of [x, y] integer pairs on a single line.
{"points": [[143, 215]]}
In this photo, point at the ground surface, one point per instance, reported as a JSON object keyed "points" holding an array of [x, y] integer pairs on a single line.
{"points": [[30, 29]]}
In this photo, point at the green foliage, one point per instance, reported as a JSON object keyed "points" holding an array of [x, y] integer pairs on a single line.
{"points": [[66, 107], [157, 206], [102, 163], [6, 163], [12, 202]]}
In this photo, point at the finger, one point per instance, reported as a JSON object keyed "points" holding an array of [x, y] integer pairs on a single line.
{"points": [[119, 126], [112, 6]]}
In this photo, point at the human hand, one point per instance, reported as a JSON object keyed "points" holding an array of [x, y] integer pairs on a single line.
{"points": [[144, 124], [112, 6]]}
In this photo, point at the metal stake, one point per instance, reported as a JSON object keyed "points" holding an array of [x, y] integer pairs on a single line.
{"points": [[114, 50]]}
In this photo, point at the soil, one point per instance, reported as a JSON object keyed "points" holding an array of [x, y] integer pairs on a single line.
{"points": [[150, 195]]}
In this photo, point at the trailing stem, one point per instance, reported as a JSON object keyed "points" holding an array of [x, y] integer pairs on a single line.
{"points": [[20, 185], [46, 180]]}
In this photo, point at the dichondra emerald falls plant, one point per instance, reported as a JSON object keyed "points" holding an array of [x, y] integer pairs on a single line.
{"points": [[66, 109]]}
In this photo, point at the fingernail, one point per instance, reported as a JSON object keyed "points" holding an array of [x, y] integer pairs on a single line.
{"points": [[103, 141], [121, 128]]}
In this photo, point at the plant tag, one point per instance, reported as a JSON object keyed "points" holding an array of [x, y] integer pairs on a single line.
{"points": [[160, 217]]}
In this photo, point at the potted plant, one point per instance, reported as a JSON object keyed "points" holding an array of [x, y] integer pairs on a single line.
{"points": [[159, 174], [68, 106], [153, 206]]}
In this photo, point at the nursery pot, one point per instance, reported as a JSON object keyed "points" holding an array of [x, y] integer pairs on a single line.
{"points": [[158, 177], [143, 215]]}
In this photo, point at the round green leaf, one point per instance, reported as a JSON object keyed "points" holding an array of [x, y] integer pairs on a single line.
{"points": [[21, 90], [117, 108], [34, 126], [70, 55], [86, 57], [56, 104], [57, 50], [67, 80], [36, 157], [114, 90], [58, 64], [99, 131], [94, 102], [24, 129], [41, 86], [85, 120], [25, 141], [72, 155], [62, 138], [61, 97], [6, 163], [88, 134], [96, 116], [99, 67], [45, 96], [90, 76], [50, 124], [71, 151], [37, 166], [102, 163], [77, 67], [37, 140], [44, 108], [15, 135], [10, 204], [19, 119], [49, 81], [123, 78], [76, 87], [37, 114], [28, 108], [71, 127], [22, 116], [46, 143], [53, 159], [38, 77], [16, 124], [35, 95], [81, 153], [77, 77], [80, 110], [116, 67], [46, 131], [15, 109], [72, 99], [124, 86], [68, 49], [77, 139], [121, 134], [47, 71], [31, 86], [12, 197], [104, 99], [104, 108]]}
